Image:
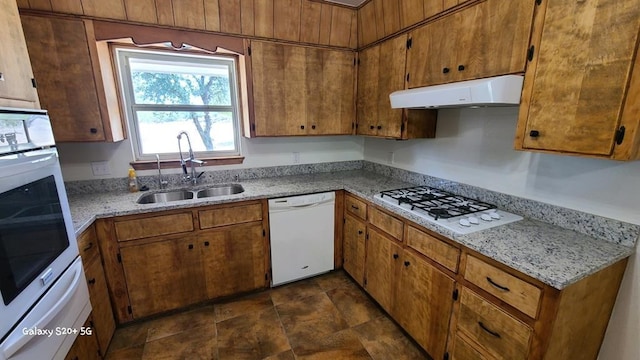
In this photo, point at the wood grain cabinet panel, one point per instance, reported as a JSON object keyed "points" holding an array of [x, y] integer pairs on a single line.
{"points": [[381, 71], [354, 248], [383, 221], [84, 347], [16, 88], [229, 215], [355, 206], [515, 292], [69, 66], [491, 38], [147, 227], [163, 275], [301, 90], [423, 303], [233, 260], [493, 329], [462, 350], [581, 89], [433, 248], [382, 260], [88, 244]]}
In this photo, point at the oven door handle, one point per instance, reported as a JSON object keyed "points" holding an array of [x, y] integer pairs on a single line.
{"points": [[29, 164], [13, 346]]}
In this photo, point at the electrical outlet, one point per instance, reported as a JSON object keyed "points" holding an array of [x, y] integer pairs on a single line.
{"points": [[296, 158], [100, 168], [390, 157]]}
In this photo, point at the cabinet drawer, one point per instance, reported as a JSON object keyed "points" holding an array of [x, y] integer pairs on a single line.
{"points": [[462, 350], [230, 215], [153, 226], [498, 332], [443, 253], [356, 207], [88, 245], [386, 222], [508, 288]]}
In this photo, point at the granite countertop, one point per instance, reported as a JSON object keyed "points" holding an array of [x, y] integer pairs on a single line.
{"points": [[549, 253]]}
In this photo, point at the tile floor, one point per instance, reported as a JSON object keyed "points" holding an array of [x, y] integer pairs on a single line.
{"points": [[327, 317]]}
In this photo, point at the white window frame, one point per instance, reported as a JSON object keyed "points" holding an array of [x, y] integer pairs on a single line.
{"points": [[122, 54]]}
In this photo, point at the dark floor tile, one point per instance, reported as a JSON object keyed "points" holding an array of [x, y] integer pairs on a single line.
{"points": [[252, 336], [384, 340], [129, 336], [174, 324], [131, 353], [295, 291], [341, 345], [310, 319], [287, 355], [193, 344], [354, 305], [246, 305], [334, 280]]}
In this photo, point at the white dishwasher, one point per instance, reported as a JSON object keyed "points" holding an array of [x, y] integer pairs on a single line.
{"points": [[301, 236]]}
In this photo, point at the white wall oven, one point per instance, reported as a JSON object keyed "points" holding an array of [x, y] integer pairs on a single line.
{"points": [[43, 291]]}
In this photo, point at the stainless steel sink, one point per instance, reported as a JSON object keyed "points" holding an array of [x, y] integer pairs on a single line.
{"points": [[220, 190], [166, 196]]}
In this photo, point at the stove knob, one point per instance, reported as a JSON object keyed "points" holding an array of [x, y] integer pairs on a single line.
{"points": [[486, 217], [465, 222], [474, 220], [495, 215]]}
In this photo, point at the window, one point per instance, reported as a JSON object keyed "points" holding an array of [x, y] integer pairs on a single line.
{"points": [[166, 93]]}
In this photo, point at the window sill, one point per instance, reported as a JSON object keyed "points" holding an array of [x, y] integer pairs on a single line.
{"points": [[168, 164]]}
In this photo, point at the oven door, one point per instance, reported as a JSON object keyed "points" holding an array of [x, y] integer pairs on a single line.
{"points": [[37, 239]]}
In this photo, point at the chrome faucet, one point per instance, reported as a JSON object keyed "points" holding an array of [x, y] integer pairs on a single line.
{"points": [[192, 160], [161, 182]]}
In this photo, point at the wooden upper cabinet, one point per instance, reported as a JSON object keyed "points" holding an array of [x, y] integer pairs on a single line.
{"points": [[16, 87], [582, 89], [75, 78], [301, 90], [487, 39], [381, 71]]}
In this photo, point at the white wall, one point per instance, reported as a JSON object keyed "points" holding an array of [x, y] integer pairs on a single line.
{"points": [[475, 146], [76, 158]]}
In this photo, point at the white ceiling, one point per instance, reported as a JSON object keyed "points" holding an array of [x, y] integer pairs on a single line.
{"points": [[354, 3]]}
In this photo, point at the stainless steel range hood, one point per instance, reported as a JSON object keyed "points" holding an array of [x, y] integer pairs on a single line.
{"points": [[496, 91]]}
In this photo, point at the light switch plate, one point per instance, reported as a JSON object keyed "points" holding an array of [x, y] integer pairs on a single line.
{"points": [[100, 168]]}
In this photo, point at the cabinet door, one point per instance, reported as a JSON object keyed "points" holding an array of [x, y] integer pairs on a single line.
{"points": [[381, 72], [16, 88], [85, 347], [423, 303], [65, 71], [103, 321], [382, 257], [354, 248], [575, 88], [163, 275], [301, 90], [487, 39], [233, 260]]}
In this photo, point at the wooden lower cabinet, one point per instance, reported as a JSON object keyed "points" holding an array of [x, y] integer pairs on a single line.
{"points": [[354, 248], [423, 303], [85, 347], [233, 260], [383, 258], [163, 275], [463, 350], [158, 273]]}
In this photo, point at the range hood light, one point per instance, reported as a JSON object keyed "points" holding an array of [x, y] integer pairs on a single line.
{"points": [[496, 91]]}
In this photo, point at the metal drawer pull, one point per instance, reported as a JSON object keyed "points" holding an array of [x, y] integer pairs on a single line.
{"points": [[92, 281], [354, 207], [503, 288], [88, 247], [493, 333], [359, 232]]}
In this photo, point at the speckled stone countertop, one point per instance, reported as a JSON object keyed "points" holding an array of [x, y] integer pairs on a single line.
{"points": [[551, 254]]}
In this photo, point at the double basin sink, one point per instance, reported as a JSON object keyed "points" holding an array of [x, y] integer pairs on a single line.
{"points": [[175, 195]]}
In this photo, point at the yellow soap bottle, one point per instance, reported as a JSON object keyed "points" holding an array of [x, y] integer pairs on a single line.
{"points": [[133, 181]]}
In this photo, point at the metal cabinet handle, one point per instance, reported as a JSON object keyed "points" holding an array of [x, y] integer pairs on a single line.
{"points": [[206, 243], [372, 127], [406, 263], [445, 70], [354, 207], [190, 246], [460, 67], [379, 127], [492, 333], [93, 130], [500, 287], [88, 247], [302, 127], [313, 127], [534, 133], [91, 281], [359, 232], [395, 256]]}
